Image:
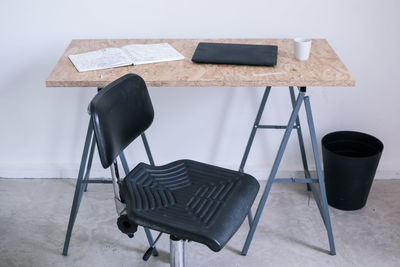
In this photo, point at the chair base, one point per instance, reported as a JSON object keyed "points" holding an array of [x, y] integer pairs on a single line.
{"points": [[177, 252]]}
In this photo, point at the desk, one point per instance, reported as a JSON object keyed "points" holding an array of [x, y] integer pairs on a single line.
{"points": [[324, 68]]}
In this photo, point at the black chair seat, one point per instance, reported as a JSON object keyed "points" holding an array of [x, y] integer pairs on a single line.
{"points": [[190, 200]]}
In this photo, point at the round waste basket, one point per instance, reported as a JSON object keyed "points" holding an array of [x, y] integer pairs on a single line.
{"points": [[350, 161]]}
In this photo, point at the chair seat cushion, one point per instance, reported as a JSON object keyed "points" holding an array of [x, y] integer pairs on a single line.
{"points": [[190, 200]]}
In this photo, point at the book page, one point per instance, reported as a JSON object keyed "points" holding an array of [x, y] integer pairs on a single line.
{"points": [[100, 59], [151, 53]]}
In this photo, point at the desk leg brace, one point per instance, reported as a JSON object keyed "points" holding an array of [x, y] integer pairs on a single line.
{"points": [[251, 138], [257, 125], [300, 137], [78, 189], [323, 207], [150, 157], [83, 181]]}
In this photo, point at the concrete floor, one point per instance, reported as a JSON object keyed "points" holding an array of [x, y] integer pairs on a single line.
{"points": [[34, 215]]}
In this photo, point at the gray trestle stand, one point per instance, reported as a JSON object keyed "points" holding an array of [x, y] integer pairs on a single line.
{"points": [[83, 181], [294, 123]]}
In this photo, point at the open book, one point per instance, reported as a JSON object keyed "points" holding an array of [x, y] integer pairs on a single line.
{"points": [[134, 54]]}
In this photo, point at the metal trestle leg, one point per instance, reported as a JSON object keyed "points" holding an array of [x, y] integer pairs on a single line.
{"points": [[293, 122], [83, 180]]}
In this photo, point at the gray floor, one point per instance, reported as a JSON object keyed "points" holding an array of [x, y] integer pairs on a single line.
{"points": [[34, 215]]}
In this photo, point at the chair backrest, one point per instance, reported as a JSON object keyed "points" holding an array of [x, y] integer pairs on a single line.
{"points": [[120, 112]]}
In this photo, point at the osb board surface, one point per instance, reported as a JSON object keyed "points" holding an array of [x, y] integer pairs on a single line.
{"points": [[323, 68]]}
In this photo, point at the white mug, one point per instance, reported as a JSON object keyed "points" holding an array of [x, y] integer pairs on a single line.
{"points": [[302, 47]]}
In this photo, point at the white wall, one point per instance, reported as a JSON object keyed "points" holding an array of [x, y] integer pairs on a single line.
{"points": [[42, 129]]}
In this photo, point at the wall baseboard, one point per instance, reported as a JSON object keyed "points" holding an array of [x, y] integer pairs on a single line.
{"points": [[71, 171], [263, 175], [49, 171]]}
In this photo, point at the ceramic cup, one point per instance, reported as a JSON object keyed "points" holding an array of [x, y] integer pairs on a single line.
{"points": [[302, 47]]}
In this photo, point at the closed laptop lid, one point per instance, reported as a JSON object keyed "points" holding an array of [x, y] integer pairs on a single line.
{"points": [[236, 54]]}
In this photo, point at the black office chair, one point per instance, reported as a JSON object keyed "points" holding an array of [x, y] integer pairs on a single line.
{"points": [[186, 199]]}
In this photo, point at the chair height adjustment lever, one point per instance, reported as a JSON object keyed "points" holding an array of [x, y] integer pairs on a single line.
{"points": [[149, 252]]}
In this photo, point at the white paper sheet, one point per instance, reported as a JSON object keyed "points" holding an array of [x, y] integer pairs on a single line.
{"points": [[101, 59], [152, 53]]}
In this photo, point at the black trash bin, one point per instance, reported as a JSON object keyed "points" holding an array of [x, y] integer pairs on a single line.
{"points": [[350, 161]]}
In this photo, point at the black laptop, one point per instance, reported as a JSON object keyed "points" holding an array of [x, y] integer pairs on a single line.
{"points": [[236, 54]]}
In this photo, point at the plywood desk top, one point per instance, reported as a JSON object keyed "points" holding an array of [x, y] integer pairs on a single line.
{"points": [[323, 68]]}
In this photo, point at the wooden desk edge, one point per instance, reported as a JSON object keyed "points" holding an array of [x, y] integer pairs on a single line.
{"points": [[334, 83], [54, 81]]}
